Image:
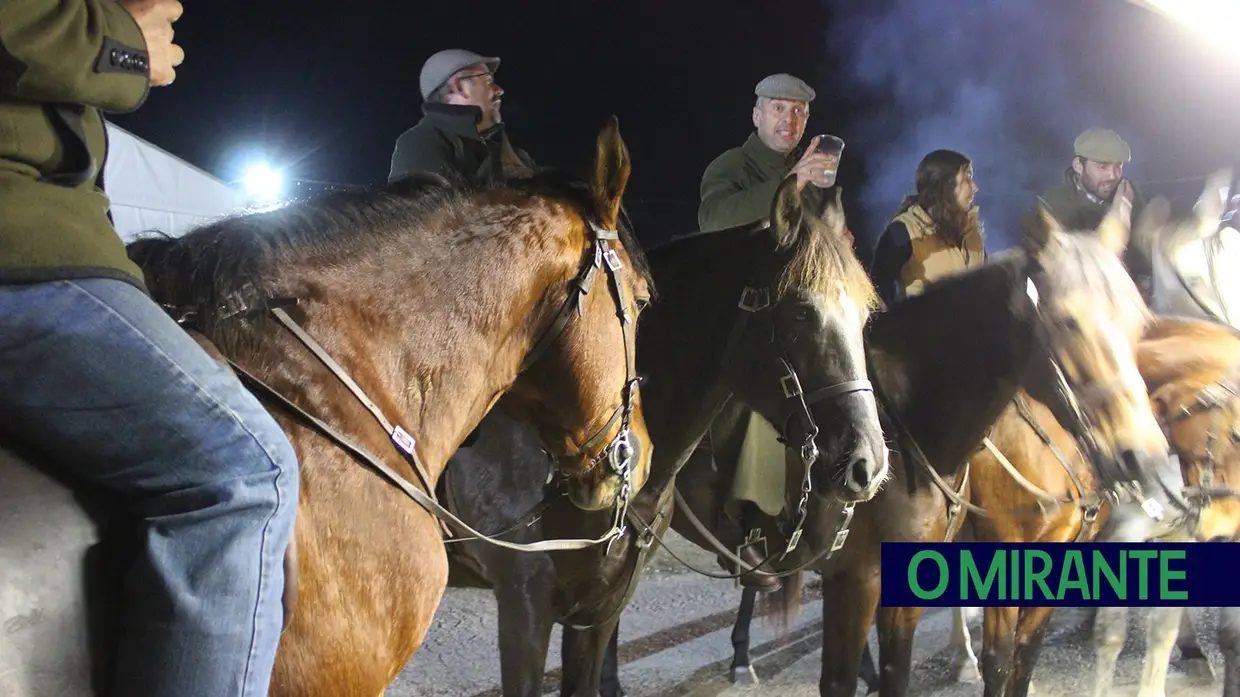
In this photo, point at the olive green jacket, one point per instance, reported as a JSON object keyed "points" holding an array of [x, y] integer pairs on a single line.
{"points": [[738, 187], [62, 63], [1078, 211]]}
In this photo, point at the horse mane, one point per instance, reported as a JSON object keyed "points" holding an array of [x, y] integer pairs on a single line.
{"points": [[1187, 353], [820, 261], [200, 271]]}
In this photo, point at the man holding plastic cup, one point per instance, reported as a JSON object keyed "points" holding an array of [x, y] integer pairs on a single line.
{"points": [[739, 186]]}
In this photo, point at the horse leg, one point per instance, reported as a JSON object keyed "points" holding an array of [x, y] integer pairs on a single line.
{"points": [[609, 683], [896, 628], [1031, 627], [742, 672], [998, 648], [869, 669], [526, 617], [1229, 644], [964, 661], [1193, 660], [581, 658], [848, 604], [1164, 625], [1110, 631]]}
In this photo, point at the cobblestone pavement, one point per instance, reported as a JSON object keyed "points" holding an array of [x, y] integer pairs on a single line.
{"points": [[674, 639]]}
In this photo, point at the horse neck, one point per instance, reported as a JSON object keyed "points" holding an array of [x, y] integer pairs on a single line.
{"points": [[435, 338], [949, 361], [681, 344]]}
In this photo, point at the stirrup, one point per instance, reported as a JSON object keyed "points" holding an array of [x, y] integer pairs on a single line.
{"points": [[753, 539]]}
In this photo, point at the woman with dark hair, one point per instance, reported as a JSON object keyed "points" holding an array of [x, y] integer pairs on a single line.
{"points": [[936, 233]]}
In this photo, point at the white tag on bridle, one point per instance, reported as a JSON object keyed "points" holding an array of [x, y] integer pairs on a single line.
{"points": [[1032, 291]]}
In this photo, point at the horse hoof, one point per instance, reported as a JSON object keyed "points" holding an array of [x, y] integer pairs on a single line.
{"points": [[1198, 670], [743, 675], [968, 673]]}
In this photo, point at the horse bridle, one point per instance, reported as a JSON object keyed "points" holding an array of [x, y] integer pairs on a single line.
{"points": [[756, 302], [618, 454], [1213, 398], [1081, 428]]}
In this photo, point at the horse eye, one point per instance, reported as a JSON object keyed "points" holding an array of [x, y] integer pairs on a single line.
{"points": [[1068, 324], [642, 304]]}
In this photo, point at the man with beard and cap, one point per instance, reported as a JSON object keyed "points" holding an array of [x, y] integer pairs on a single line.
{"points": [[738, 188], [1090, 185], [461, 132]]}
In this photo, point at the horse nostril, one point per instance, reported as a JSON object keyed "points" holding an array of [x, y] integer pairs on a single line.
{"points": [[858, 476], [1220, 538]]}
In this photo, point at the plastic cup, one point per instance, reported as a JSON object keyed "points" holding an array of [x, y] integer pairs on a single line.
{"points": [[832, 146]]}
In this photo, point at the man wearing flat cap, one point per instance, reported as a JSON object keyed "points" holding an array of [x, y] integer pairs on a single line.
{"points": [[461, 131], [739, 186], [1089, 187]]}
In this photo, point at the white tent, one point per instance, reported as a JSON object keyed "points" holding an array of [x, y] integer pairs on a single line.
{"points": [[151, 189]]}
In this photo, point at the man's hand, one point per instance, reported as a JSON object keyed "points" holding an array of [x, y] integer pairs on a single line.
{"points": [[155, 18], [810, 168]]}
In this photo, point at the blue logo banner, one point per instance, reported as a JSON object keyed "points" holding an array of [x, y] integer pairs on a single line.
{"points": [[1095, 574]]}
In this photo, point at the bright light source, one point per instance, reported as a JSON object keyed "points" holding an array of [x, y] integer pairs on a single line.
{"points": [[1215, 20], [262, 183]]}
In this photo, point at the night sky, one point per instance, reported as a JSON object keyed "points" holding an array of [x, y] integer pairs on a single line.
{"points": [[324, 89]]}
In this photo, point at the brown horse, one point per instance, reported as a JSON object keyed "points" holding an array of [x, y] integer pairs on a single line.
{"points": [[1033, 480], [430, 301], [1069, 343], [803, 301]]}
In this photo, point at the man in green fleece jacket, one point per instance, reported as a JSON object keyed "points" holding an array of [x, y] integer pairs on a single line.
{"points": [[96, 380]]}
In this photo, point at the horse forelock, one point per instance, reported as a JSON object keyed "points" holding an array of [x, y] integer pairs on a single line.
{"points": [[1080, 264], [822, 264], [560, 185]]}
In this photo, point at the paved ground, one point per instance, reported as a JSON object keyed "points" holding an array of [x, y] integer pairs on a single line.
{"points": [[674, 642]]}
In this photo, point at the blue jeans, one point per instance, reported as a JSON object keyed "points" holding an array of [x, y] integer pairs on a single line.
{"points": [[98, 380]]}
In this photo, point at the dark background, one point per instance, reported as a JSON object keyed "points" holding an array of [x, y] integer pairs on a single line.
{"points": [[323, 90]]}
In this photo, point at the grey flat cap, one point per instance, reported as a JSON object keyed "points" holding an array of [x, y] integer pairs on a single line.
{"points": [[1102, 145], [785, 86], [441, 66]]}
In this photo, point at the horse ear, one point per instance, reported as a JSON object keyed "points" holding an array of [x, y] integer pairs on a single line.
{"points": [[612, 168], [1038, 229], [1149, 232], [1116, 227], [833, 211], [786, 213], [1212, 204]]}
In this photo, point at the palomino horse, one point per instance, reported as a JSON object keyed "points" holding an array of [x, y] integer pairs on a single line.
{"points": [[791, 348], [1057, 318], [1192, 369], [1031, 462], [436, 300]]}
